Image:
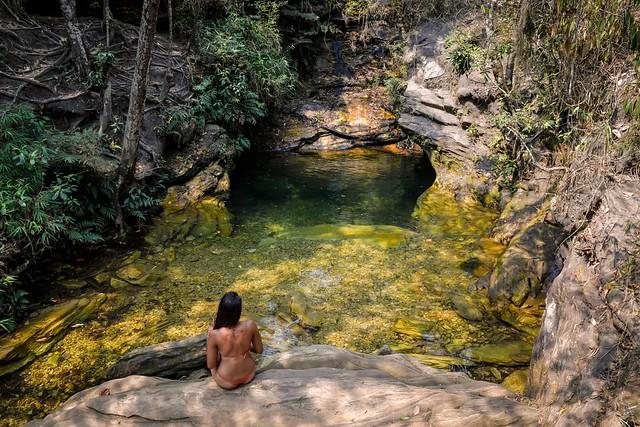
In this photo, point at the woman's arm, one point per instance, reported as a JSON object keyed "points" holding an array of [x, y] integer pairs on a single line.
{"points": [[212, 352], [256, 339]]}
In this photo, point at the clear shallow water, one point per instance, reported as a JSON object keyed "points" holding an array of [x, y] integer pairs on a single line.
{"points": [[338, 249]]}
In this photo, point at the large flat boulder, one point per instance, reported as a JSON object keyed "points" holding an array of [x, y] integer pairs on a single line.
{"points": [[311, 386]]}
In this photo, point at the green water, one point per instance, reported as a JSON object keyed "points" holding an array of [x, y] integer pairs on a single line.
{"points": [[361, 188], [338, 248]]}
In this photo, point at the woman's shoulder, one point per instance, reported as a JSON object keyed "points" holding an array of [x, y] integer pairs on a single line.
{"points": [[248, 324]]}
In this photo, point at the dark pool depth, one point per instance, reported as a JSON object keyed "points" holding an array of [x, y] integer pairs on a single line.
{"points": [[362, 187]]}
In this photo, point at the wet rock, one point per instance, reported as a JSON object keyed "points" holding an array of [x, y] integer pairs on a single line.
{"points": [[140, 273], [102, 278], [116, 283], [300, 307], [414, 328], [73, 283], [526, 264], [43, 331], [521, 209], [511, 353], [467, 308], [330, 387], [517, 381], [525, 319], [207, 217], [442, 362]]}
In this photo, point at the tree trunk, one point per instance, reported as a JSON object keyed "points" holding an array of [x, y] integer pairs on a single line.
{"points": [[518, 36], [137, 96], [107, 104], [68, 8]]}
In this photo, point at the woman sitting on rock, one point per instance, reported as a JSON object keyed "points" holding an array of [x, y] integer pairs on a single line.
{"points": [[229, 343]]}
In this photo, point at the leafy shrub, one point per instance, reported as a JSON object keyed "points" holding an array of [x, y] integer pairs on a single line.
{"points": [[38, 205], [13, 302], [463, 51], [244, 69], [101, 60], [395, 91]]}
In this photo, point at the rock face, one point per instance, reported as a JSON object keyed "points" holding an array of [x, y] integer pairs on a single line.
{"points": [[171, 359], [590, 327], [43, 331], [526, 264], [339, 108], [431, 109], [311, 386]]}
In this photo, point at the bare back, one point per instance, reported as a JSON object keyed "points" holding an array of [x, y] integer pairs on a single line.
{"points": [[228, 353]]}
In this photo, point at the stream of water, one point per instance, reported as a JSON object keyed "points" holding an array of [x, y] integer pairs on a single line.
{"points": [[333, 248]]}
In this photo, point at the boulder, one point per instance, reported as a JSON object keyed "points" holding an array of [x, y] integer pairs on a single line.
{"points": [[438, 98], [301, 307], [467, 308], [171, 359], [517, 381], [435, 114], [526, 265], [41, 332], [314, 386], [509, 353]]}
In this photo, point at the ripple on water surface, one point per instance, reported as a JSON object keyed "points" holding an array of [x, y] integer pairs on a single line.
{"points": [[305, 254]]}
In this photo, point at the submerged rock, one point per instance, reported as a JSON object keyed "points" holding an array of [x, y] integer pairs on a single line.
{"points": [[525, 319], [317, 385], [384, 235], [207, 217], [467, 308], [414, 328], [43, 331], [141, 273], [511, 353]]}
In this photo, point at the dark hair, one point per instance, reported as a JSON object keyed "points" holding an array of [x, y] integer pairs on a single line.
{"points": [[229, 311]]}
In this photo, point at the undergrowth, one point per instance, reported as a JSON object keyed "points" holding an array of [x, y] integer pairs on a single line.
{"points": [[51, 194]]}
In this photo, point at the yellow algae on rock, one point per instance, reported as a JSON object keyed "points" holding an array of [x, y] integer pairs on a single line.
{"points": [[42, 332], [387, 236], [440, 362], [300, 307], [414, 328], [513, 353], [517, 381]]}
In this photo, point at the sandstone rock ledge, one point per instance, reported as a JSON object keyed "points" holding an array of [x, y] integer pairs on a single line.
{"points": [[316, 385]]}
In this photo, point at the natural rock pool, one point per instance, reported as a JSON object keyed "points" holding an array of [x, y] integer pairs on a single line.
{"points": [[346, 248]]}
